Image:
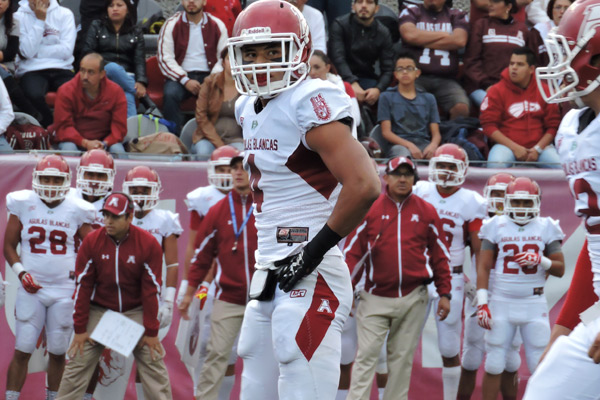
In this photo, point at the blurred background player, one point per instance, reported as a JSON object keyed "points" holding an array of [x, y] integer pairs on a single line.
{"points": [[44, 222], [473, 341], [461, 212], [570, 369], [95, 180], [522, 249], [298, 140], [199, 201], [228, 236]]}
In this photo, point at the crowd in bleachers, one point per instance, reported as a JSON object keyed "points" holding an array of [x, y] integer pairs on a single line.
{"points": [[461, 57]]}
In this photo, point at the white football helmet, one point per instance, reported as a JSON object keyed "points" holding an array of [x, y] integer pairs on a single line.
{"points": [[98, 161], [497, 183], [221, 156], [452, 154], [145, 177]]}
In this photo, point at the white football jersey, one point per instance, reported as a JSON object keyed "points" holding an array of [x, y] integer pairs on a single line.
{"points": [[580, 158], [203, 198], [510, 280], [160, 223], [48, 237], [294, 192], [98, 204], [456, 212]]}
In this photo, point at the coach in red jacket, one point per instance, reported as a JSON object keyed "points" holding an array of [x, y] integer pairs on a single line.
{"points": [[90, 110], [400, 246], [228, 235], [118, 268]]}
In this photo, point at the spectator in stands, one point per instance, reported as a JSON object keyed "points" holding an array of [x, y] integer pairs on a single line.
{"points": [[401, 237], [435, 33], [316, 24], [215, 113], [332, 8], [47, 38], [537, 34], [6, 118], [90, 110], [479, 9], [121, 44], [490, 46], [356, 42], [408, 116], [184, 62], [9, 47], [322, 68], [517, 119], [226, 10]]}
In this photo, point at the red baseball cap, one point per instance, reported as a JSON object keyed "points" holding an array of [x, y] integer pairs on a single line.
{"points": [[396, 162], [118, 204]]}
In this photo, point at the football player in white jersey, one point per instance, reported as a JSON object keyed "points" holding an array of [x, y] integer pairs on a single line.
{"points": [[299, 151], [95, 180], [522, 249], [45, 222], [473, 341], [461, 211], [199, 201], [571, 367]]}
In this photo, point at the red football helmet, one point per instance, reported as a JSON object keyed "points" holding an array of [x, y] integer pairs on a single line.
{"points": [[145, 177], [96, 161], [497, 183], [52, 165], [451, 154], [219, 157], [270, 21], [520, 189], [571, 46]]}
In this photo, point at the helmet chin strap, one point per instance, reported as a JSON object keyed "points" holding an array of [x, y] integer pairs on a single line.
{"points": [[579, 103]]}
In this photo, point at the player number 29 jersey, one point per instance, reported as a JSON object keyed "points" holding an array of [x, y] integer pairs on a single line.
{"points": [[456, 212], [579, 155], [48, 236], [294, 192], [510, 280]]}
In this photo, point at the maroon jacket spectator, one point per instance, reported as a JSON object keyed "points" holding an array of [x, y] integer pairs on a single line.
{"points": [[490, 46], [90, 110]]}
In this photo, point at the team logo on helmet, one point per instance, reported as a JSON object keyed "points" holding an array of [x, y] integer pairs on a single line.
{"points": [[591, 21]]}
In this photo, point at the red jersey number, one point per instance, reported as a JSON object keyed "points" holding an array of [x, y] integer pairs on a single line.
{"points": [[515, 250], [583, 187], [448, 224], [58, 241], [255, 176]]}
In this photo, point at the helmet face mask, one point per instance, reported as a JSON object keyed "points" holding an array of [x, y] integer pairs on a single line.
{"points": [[218, 167], [96, 173], [448, 166], [264, 25], [522, 200], [571, 49], [47, 168], [143, 177]]}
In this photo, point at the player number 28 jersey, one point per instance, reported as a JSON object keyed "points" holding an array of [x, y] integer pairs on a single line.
{"points": [[579, 155], [294, 192], [510, 280], [456, 212], [48, 236]]}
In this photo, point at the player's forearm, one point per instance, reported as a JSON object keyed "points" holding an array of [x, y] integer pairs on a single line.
{"points": [[353, 204], [418, 37]]}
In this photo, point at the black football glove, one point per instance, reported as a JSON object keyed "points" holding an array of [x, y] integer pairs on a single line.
{"points": [[294, 268]]}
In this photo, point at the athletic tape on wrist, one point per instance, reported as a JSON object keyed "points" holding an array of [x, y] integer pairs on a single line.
{"points": [[18, 268], [169, 294], [482, 297]]}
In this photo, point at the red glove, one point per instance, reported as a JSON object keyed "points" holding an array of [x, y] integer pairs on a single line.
{"points": [[484, 316], [202, 293], [528, 259], [29, 283]]}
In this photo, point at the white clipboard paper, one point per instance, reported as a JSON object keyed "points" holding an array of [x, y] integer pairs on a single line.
{"points": [[117, 332]]}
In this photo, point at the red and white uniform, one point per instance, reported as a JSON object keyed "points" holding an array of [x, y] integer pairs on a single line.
{"points": [[291, 184], [567, 372], [234, 269], [98, 218], [461, 213], [47, 251], [199, 201], [119, 277], [292, 188], [405, 248], [160, 223], [518, 300]]}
